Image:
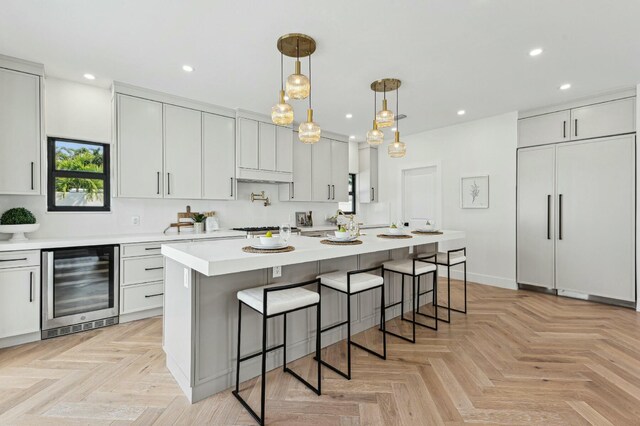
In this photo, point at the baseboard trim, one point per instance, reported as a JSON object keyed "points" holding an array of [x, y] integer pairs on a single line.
{"points": [[7, 342], [508, 283], [135, 316]]}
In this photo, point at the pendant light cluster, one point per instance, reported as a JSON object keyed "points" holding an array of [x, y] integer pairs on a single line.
{"points": [[298, 86], [385, 117]]}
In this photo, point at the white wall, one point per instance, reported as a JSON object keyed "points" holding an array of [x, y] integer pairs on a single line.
{"points": [[80, 111], [482, 147]]}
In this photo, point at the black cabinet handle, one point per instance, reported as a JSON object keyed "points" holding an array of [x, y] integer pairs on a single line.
{"points": [[158, 183], [328, 192], [560, 216], [152, 248], [168, 183], [232, 187], [333, 188], [564, 129], [13, 260], [153, 295], [30, 287], [373, 193], [548, 217], [154, 269], [32, 186], [293, 190], [575, 126]]}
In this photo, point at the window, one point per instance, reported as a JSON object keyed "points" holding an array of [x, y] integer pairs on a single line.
{"points": [[78, 175], [350, 206]]}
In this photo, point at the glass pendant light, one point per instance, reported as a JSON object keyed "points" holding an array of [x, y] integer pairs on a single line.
{"points": [[309, 132], [384, 117], [298, 85], [282, 112], [397, 149], [375, 136]]}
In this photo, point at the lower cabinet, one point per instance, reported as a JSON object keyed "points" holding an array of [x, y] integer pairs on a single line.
{"points": [[141, 297], [19, 294]]}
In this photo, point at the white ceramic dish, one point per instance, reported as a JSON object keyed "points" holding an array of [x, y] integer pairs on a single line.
{"points": [[341, 240], [270, 241], [426, 230], [395, 231], [341, 235], [269, 247]]}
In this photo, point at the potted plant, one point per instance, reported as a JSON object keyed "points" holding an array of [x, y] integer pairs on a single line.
{"points": [[18, 221], [198, 222]]}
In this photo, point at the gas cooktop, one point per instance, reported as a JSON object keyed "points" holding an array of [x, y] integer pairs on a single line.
{"points": [[262, 228]]}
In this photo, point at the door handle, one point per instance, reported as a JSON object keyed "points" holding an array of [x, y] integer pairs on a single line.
{"points": [[168, 183], [31, 287], [153, 295], [329, 192], [232, 187], [13, 260], [560, 216], [154, 269], [333, 188], [293, 190], [564, 129], [152, 248], [158, 184], [32, 186], [548, 217], [575, 126], [373, 194]]}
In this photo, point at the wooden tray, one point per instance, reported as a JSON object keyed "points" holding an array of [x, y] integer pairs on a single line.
{"points": [[249, 249]]}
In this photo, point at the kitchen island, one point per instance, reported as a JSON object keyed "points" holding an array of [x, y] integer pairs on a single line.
{"points": [[201, 309]]}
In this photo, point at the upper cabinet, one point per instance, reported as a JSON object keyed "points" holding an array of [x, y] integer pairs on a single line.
{"points": [[299, 189], [264, 150], [600, 119], [340, 171], [368, 174], [169, 147], [20, 132], [321, 176]]}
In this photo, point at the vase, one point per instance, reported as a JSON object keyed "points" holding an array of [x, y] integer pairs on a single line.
{"points": [[198, 227]]}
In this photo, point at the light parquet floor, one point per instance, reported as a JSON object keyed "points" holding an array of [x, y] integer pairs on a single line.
{"points": [[517, 358]]}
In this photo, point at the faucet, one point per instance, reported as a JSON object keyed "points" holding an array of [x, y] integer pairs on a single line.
{"points": [[260, 197]]}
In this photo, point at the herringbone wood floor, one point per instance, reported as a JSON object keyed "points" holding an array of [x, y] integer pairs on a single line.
{"points": [[516, 358]]}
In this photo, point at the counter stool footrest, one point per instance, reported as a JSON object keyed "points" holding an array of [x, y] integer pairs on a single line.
{"points": [[331, 327], [247, 357]]}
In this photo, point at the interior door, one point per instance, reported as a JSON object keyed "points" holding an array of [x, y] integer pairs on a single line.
{"points": [[139, 148], [339, 171], [321, 170], [183, 152], [595, 244], [218, 157], [535, 216]]}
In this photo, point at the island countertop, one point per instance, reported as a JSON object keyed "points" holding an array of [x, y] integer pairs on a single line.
{"points": [[212, 258]]}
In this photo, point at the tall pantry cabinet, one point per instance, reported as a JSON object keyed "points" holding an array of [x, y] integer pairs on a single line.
{"points": [[576, 204]]}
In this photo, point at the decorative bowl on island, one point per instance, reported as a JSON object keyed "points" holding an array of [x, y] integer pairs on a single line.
{"points": [[395, 231], [341, 235], [270, 241]]}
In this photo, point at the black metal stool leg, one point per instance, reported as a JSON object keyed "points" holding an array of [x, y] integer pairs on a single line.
{"points": [[263, 388], [238, 352]]}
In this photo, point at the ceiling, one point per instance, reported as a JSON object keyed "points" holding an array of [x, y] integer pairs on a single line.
{"points": [[450, 54]]}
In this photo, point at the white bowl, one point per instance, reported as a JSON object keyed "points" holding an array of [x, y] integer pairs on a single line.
{"points": [[341, 235], [395, 231], [270, 241], [18, 231]]}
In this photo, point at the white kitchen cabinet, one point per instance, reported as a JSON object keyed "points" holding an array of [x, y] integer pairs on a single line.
{"points": [[339, 171], [140, 147], [182, 152], [284, 149], [247, 143], [595, 244], [218, 155], [604, 119], [536, 217], [20, 132], [321, 174], [544, 129], [300, 188], [19, 301], [267, 147], [367, 182]]}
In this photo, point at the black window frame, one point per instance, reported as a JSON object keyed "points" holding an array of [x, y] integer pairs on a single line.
{"points": [[52, 174], [352, 176]]}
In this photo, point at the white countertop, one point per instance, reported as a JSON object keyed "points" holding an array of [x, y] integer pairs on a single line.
{"points": [[331, 227], [47, 243], [225, 257]]}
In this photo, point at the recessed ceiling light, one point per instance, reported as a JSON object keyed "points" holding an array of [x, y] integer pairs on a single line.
{"points": [[187, 68], [90, 76], [462, 112], [565, 86], [349, 115], [394, 129], [535, 52], [352, 137]]}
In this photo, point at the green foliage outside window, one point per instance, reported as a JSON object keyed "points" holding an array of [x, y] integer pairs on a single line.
{"points": [[84, 160]]}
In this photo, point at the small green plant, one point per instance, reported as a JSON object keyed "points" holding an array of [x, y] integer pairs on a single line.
{"points": [[17, 216], [198, 217], [394, 226], [342, 229]]}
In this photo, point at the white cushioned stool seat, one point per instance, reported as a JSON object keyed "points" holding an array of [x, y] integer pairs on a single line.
{"points": [[278, 301], [455, 258], [359, 282], [405, 266]]}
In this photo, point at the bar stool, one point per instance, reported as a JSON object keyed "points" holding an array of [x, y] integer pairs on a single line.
{"points": [[414, 268], [352, 283], [449, 259], [272, 301]]}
